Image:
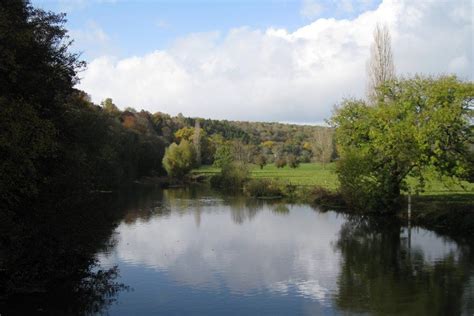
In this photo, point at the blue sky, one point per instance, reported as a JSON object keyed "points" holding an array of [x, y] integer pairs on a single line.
{"points": [[286, 61], [139, 27]]}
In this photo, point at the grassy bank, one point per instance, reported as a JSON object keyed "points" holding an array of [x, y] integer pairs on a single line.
{"points": [[445, 206], [323, 175]]}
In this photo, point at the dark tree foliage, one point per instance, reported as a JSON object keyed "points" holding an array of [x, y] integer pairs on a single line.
{"points": [[37, 75], [57, 147], [52, 136]]}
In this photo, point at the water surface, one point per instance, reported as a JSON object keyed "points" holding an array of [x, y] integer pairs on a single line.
{"points": [[193, 251]]}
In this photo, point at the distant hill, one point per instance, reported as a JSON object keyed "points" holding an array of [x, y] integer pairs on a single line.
{"points": [[273, 140]]}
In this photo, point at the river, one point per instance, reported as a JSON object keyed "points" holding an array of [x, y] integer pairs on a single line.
{"points": [[195, 251]]}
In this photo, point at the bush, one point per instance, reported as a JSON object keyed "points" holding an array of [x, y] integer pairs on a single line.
{"points": [[232, 176], [280, 162], [261, 161], [223, 156], [264, 188], [179, 159], [293, 161], [324, 197], [359, 187]]}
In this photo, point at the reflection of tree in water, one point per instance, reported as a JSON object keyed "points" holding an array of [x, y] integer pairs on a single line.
{"points": [[380, 274], [199, 199], [47, 258], [280, 209], [243, 209]]}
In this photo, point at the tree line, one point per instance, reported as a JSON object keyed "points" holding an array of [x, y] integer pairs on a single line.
{"points": [[53, 138]]}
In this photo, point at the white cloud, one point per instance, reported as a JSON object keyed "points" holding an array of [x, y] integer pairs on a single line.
{"points": [[198, 244], [277, 75], [92, 40], [350, 6], [162, 24], [311, 9]]}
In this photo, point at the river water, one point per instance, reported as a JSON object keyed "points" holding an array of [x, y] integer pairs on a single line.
{"points": [[195, 251]]}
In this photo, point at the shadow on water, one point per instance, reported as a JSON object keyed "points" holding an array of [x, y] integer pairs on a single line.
{"points": [[383, 272], [48, 259], [47, 255]]}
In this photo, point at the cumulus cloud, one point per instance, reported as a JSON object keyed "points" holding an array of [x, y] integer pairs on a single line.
{"points": [[283, 254], [93, 39], [311, 9], [278, 75]]}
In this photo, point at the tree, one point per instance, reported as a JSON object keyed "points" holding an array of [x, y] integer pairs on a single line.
{"points": [[109, 107], [179, 159], [422, 124], [323, 146], [37, 75], [185, 133], [261, 161], [197, 142], [223, 156], [380, 67], [292, 161], [280, 162]]}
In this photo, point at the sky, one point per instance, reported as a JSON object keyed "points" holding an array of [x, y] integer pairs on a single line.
{"points": [[269, 60]]}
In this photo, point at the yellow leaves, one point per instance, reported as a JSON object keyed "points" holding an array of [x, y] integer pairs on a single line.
{"points": [[185, 133], [268, 144], [307, 146]]}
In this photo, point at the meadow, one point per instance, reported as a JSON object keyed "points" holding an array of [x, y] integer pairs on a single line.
{"points": [[324, 175]]}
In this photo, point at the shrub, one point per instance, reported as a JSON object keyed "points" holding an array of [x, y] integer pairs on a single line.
{"points": [[280, 162], [325, 197], [264, 188], [223, 156], [261, 161], [232, 176], [293, 161], [359, 188], [179, 159]]}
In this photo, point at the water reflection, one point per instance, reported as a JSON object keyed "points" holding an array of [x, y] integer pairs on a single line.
{"points": [[47, 255], [195, 250]]}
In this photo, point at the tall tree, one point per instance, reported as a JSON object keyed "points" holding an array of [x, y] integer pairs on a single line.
{"points": [[423, 125], [37, 75], [380, 67], [179, 159], [197, 142]]}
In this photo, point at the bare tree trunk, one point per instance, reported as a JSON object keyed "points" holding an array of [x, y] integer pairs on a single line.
{"points": [[380, 67], [197, 142]]}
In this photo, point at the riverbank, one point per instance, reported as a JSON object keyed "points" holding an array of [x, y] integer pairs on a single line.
{"points": [[445, 206]]}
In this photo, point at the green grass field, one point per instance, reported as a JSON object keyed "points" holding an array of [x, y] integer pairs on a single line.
{"points": [[311, 174]]}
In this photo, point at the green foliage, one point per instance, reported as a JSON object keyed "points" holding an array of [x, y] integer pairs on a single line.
{"points": [[248, 139], [280, 162], [37, 74], [179, 159], [109, 107], [20, 168], [359, 186], [232, 176], [223, 156], [185, 133], [422, 123], [261, 161], [292, 161], [265, 188]]}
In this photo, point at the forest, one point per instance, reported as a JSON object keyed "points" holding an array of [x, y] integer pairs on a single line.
{"points": [[54, 138], [74, 172]]}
